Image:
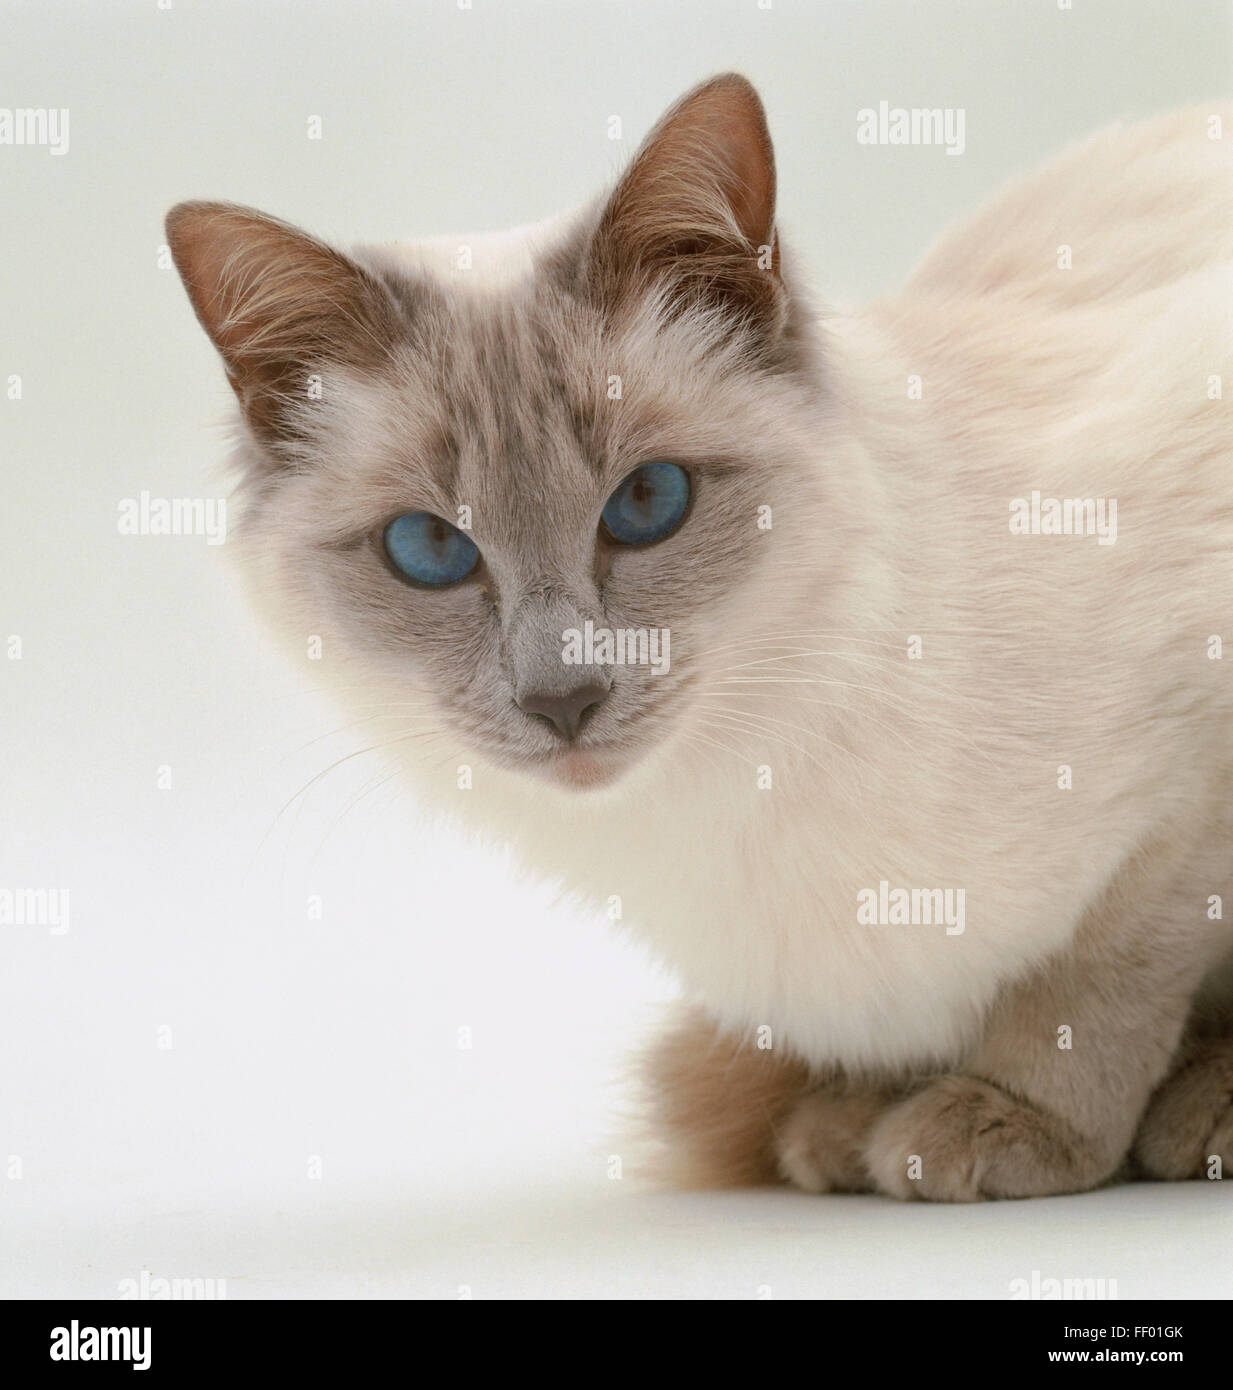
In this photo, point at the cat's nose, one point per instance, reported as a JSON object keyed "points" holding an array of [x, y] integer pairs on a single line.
{"points": [[565, 710]]}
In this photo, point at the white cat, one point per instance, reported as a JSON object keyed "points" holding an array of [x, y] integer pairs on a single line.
{"points": [[932, 808]]}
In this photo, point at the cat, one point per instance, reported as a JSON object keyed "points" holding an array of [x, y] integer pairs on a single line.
{"points": [[929, 803]]}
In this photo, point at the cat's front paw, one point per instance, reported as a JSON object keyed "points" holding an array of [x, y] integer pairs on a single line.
{"points": [[960, 1139], [819, 1145], [1187, 1131]]}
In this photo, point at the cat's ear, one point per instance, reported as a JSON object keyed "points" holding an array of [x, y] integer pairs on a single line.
{"points": [[695, 211], [278, 305]]}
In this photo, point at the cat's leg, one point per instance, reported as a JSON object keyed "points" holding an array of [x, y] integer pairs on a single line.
{"points": [[820, 1143], [1189, 1122], [723, 1106], [734, 1114], [716, 1100], [1052, 1097]]}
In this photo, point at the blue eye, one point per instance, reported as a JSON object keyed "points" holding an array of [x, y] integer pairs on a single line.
{"points": [[648, 505], [429, 550]]}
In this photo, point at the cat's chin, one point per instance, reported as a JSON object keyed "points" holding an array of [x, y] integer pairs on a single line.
{"points": [[581, 769]]}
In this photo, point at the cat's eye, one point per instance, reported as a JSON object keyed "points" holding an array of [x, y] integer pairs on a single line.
{"points": [[649, 505], [428, 550]]}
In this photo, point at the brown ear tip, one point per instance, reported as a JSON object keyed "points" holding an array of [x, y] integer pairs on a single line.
{"points": [[734, 84], [174, 220], [193, 215], [181, 219], [732, 78]]}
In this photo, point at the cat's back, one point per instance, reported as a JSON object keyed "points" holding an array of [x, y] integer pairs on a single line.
{"points": [[1077, 329], [1073, 340], [1132, 210]]}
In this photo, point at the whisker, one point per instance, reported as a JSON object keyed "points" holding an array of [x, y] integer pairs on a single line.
{"points": [[312, 782], [752, 724], [354, 724], [904, 707], [847, 707]]}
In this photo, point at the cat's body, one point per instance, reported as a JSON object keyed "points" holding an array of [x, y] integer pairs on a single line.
{"points": [[901, 693]]}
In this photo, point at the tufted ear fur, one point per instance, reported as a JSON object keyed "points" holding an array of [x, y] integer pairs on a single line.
{"points": [[277, 304], [695, 211]]}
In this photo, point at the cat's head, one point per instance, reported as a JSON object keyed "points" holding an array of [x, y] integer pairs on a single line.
{"points": [[477, 486]]}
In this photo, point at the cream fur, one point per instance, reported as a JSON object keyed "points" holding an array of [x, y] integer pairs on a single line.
{"points": [[1038, 651], [1087, 905]]}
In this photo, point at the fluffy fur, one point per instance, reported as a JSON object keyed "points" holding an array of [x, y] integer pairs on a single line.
{"points": [[836, 1054]]}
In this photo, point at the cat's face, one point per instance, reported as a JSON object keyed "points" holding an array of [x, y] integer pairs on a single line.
{"points": [[543, 513]]}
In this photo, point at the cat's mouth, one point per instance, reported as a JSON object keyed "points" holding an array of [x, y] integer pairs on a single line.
{"points": [[583, 768]]}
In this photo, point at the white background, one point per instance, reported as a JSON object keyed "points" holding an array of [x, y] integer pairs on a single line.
{"points": [[298, 1042]]}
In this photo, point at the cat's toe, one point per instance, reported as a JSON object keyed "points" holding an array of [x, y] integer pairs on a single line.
{"points": [[961, 1139], [1187, 1130], [820, 1144]]}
